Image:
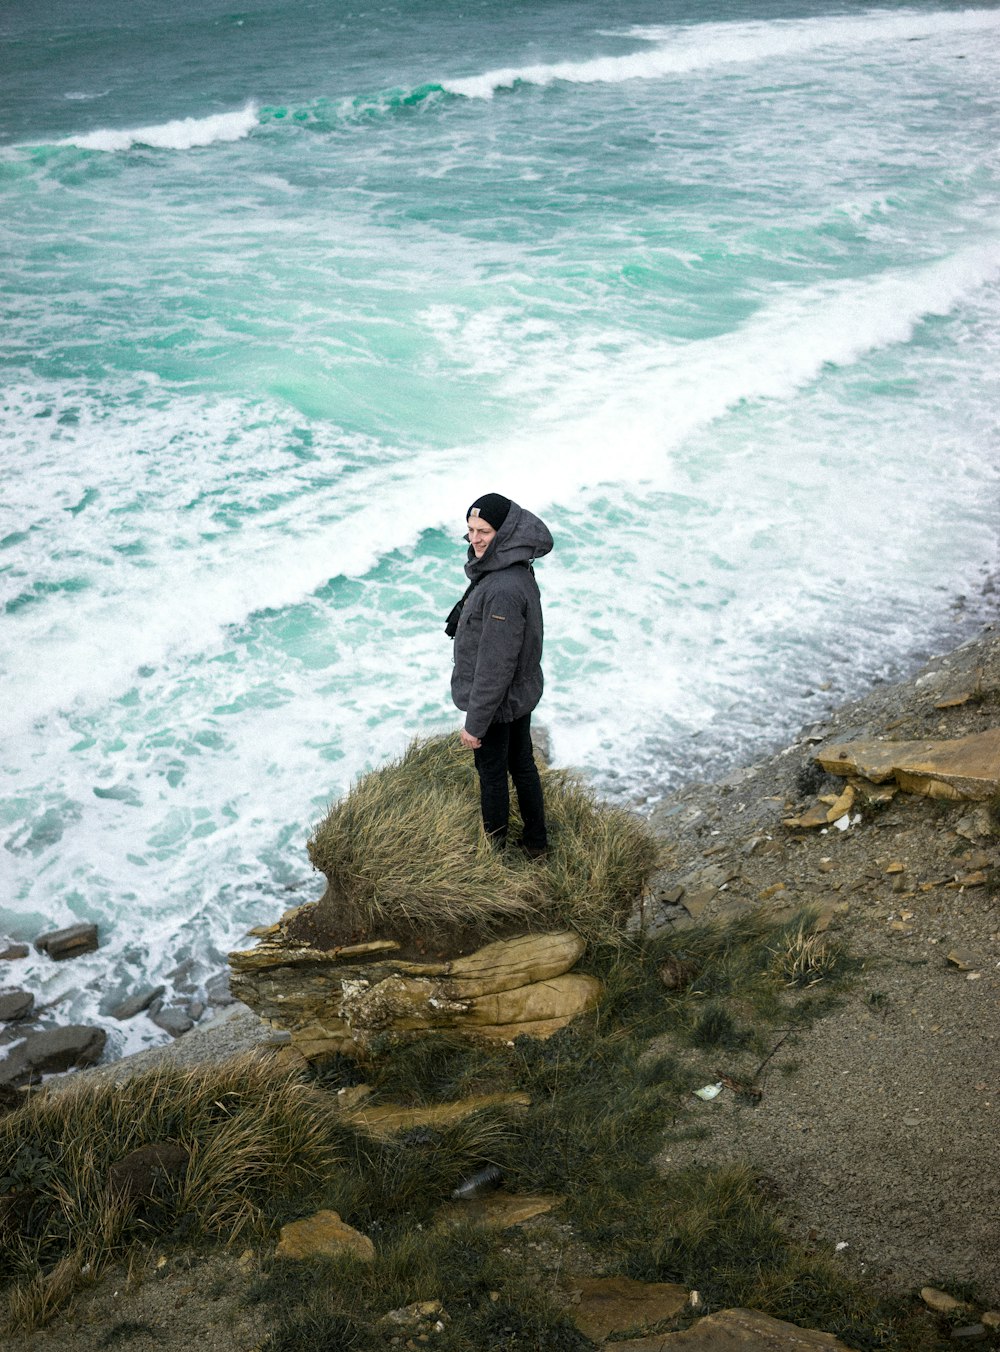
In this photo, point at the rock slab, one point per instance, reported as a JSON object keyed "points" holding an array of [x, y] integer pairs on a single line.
{"points": [[963, 768], [606, 1305], [737, 1331]]}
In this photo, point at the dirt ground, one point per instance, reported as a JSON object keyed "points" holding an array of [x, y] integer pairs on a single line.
{"points": [[877, 1127]]}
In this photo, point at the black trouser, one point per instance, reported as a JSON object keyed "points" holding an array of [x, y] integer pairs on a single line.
{"points": [[506, 748]]}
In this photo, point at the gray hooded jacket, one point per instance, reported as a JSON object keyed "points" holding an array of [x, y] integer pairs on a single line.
{"points": [[497, 675]]}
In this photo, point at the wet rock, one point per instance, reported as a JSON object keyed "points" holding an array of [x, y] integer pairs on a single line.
{"points": [[968, 1333], [324, 1233], [69, 942], [147, 1173], [135, 1004], [14, 951], [217, 990], [15, 1005], [173, 1019], [602, 1306], [51, 1051]]}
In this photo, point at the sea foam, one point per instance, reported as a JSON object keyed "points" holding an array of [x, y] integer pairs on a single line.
{"points": [[181, 134], [680, 51]]}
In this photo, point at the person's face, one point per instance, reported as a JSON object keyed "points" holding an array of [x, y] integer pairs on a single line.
{"points": [[480, 535]]}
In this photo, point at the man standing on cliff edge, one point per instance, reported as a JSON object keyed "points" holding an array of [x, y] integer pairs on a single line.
{"points": [[497, 676]]}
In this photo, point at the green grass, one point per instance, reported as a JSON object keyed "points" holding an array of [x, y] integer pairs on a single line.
{"points": [[404, 853], [608, 1093]]}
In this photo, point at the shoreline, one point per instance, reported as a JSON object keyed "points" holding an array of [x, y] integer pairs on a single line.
{"points": [[231, 1028]]}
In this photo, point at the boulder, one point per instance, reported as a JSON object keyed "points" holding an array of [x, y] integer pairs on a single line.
{"points": [[336, 1000], [135, 1004], [11, 952], [51, 1051], [737, 1331], [173, 1019], [964, 768], [324, 1233], [69, 942], [15, 1005]]}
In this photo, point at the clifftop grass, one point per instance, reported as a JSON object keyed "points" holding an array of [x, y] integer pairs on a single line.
{"points": [[404, 853]]}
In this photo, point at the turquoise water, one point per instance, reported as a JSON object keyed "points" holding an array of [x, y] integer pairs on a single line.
{"points": [[712, 288]]}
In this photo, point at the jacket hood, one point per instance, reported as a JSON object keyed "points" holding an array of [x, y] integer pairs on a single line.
{"points": [[521, 538]]}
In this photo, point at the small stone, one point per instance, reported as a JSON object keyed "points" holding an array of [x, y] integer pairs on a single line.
{"points": [[964, 959], [695, 902], [968, 1333], [70, 942], [974, 825], [15, 1005], [974, 879], [323, 1233], [991, 1319], [896, 867], [771, 891], [939, 1301], [14, 951]]}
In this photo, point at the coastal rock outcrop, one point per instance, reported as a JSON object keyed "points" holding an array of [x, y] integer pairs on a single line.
{"points": [[335, 1000], [962, 768]]}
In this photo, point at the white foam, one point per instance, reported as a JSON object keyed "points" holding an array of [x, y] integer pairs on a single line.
{"points": [[643, 399], [680, 50], [180, 134]]}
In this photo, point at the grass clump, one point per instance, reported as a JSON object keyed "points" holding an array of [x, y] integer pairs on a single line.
{"points": [[249, 1138], [404, 853]]}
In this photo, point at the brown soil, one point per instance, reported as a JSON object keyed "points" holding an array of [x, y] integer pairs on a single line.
{"points": [[879, 1125]]}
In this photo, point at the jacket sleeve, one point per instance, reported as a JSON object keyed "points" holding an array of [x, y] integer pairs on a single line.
{"points": [[497, 656]]}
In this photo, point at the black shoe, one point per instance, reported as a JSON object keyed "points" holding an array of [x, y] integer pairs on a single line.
{"points": [[532, 851]]}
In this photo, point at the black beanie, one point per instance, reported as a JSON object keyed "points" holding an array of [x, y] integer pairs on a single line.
{"points": [[492, 507]]}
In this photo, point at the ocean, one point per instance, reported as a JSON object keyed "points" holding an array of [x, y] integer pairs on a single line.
{"points": [[711, 287]]}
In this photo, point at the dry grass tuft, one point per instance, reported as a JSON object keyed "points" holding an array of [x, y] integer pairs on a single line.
{"points": [[253, 1137], [404, 853], [804, 958]]}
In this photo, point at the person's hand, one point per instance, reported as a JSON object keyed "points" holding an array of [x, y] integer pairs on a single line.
{"points": [[468, 740]]}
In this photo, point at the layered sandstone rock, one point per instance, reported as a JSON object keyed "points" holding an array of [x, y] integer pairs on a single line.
{"points": [[962, 768], [336, 1000]]}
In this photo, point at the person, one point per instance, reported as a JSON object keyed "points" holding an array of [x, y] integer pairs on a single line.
{"points": [[497, 674]]}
